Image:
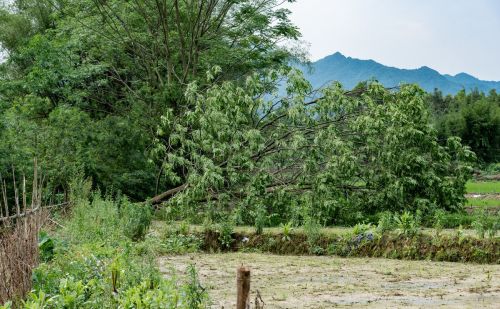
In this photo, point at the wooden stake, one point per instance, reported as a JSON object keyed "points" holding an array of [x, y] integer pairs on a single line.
{"points": [[243, 288]]}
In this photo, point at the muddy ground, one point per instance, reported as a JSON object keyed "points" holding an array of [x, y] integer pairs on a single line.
{"points": [[330, 282]]}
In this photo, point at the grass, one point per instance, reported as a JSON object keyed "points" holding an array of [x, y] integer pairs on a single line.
{"points": [[327, 231], [483, 187], [483, 202]]}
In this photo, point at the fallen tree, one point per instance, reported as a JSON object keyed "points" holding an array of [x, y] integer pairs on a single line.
{"points": [[338, 152]]}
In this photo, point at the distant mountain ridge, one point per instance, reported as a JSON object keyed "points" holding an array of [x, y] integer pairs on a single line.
{"points": [[350, 71]]}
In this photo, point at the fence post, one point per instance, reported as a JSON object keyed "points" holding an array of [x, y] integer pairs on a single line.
{"points": [[243, 287]]}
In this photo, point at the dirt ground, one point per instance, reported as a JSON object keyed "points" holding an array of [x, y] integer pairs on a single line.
{"points": [[331, 282]]}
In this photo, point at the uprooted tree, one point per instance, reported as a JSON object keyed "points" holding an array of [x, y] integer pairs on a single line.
{"points": [[334, 153]]}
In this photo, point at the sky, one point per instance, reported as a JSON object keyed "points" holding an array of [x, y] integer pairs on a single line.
{"points": [[450, 36]]}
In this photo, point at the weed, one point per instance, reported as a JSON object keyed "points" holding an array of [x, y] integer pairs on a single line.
{"points": [[312, 230], [260, 220], [486, 225], [407, 224], [438, 221], [136, 219], [361, 229], [45, 246], [385, 223], [226, 230], [180, 244], [286, 230], [195, 293]]}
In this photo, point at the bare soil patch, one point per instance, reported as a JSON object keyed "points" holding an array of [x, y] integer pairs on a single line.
{"points": [[327, 282]]}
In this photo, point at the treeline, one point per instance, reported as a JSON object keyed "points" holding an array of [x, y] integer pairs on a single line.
{"points": [[474, 117]]}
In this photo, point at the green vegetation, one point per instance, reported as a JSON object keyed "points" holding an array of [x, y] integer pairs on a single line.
{"points": [[86, 96], [191, 111], [92, 263], [474, 117], [483, 202], [406, 242], [483, 187]]}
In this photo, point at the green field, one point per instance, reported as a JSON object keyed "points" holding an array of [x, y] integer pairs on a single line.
{"points": [[483, 187], [483, 202]]}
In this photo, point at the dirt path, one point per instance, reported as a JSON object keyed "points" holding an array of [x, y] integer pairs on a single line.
{"points": [[328, 282]]}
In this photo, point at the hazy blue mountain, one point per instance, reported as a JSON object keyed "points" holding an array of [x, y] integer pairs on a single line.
{"points": [[350, 71]]}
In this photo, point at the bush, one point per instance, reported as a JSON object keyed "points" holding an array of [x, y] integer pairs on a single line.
{"points": [[407, 224], [361, 229], [260, 219], [177, 239], [312, 229], [385, 222], [226, 230], [486, 225], [95, 265], [94, 222], [439, 218], [45, 246], [136, 219]]}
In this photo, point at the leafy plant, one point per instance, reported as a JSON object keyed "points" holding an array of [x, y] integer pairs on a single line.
{"points": [[385, 222], [46, 246], [260, 219], [312, 229], [361, 229], [136, 219], [195, 293], [407, 224], [226, 230], [486, 225], [439, 220], [286, 230]]}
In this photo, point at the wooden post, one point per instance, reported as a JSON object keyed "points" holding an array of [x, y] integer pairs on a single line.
{"points": [[243, 287]]}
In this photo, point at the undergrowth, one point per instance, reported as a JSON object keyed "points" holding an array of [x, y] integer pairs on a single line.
{"points": [[103, 257]]}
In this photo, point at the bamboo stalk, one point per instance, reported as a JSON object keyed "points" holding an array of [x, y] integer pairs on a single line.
{"points": [[24, 193], [16, 194], [4, 193]]}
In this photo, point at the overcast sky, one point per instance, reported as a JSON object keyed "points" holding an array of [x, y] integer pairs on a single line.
{"points": [[450, 36]]}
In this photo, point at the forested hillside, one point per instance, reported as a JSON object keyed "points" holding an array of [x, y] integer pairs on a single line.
{"points": [[351, 71]]}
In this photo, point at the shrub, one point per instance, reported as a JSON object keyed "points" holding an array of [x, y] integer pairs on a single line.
{"points": [[80, 189], [45, 246], [94, 222], [136, 219], [361, 229], [385, 223], [438, 220], [486, 225], [312, 229], [178, 239], [286, 230], [226, 230], [89, 273], [407, 224], [260, 219]]}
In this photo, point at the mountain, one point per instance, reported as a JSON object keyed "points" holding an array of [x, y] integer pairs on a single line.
{"points": [[350, 71]]}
